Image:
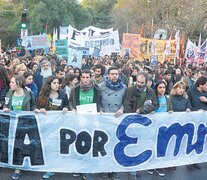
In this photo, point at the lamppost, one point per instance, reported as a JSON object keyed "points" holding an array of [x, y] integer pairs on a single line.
{"points": [[152, 19], [24, 22]]}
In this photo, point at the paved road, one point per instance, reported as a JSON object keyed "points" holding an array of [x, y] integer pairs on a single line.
{"points": [[182, 173]]}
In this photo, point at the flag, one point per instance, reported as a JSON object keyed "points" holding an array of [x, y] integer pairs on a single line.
{"points": [[199, 43], [45, 29], [177, 41], [167, 50], [168, 46], [54, 38], [142, 31], [152, 28], [182, 49], [190, 52], [153, 46]]}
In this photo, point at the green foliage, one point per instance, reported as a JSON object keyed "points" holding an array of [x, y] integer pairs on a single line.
{"points": [[101, 10]]}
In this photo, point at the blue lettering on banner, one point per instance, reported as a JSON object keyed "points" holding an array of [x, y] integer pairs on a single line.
{"points": [[165, 134], [125, 140]]}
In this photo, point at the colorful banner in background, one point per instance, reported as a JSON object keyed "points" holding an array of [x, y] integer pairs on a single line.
{"points": [[61, 48], [36, 42], [130, 45], [140, 48], [76, 54], [85, 143], [106, 40]]}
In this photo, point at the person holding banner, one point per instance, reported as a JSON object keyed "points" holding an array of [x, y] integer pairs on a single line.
{"points": [[4, 85], [51, 99], [19, 99], [164, 105], [140, 99], [85, 93], [112, 96], [180, 101]]}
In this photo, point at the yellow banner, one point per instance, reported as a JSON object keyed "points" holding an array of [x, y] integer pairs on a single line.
{"points": [[160, 46], [139, 48]]}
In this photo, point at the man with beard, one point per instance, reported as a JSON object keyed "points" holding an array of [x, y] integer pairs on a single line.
{"points": [[99, 71], [84, 93], [112, 95], [40, 75], [60, 74], [139, 99]]}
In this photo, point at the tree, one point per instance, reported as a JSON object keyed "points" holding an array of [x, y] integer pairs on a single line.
{"points": [[179, 14], [101, 10]]}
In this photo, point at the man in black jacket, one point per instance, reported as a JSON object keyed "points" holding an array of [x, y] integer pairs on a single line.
{"points": [[198, 94]]}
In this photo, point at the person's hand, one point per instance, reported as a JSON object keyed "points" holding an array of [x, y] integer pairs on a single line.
{"points": [[137, 111], [6, 110], [201, 110], [74, 110], [65, 110], [188, 110], [203, 99], [43, 110], [37, 111], [119, 113]]}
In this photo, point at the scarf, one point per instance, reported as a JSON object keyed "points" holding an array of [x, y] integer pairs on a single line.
{"points": [[114, 85], [29, 85], [87, 87]]}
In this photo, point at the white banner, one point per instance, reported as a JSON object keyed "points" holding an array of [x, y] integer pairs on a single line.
{"points": [[108, 43], [94, 143], [63, 32], [95, 32], [104, 39], [190, 52], [76, 54], [36, 42]]}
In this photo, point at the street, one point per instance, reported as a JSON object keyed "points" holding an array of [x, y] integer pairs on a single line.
{"points": [[181, 173]]}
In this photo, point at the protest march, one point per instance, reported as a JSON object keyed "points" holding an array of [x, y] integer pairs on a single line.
{"points": [[90, 97]]}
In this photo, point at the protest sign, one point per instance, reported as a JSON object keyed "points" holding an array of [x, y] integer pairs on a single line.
{"points": [[61, 46], [73, 142], [36, 42]]}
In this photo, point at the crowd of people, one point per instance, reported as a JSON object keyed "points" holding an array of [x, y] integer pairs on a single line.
{"points": [[46, 83]]}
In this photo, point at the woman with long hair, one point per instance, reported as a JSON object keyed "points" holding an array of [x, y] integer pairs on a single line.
{"points": [[19, 99], [51, 98], [4, 85], [77, 72], [164, 105], [164, 101], [68, 83]]}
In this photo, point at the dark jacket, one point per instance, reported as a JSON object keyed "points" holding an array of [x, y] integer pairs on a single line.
{"points": [[145, 101], [74, 99], [3, 92], [193, 96], [38, 80], [64, 103], [180, 103], [28, 102], [33, 88]]}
